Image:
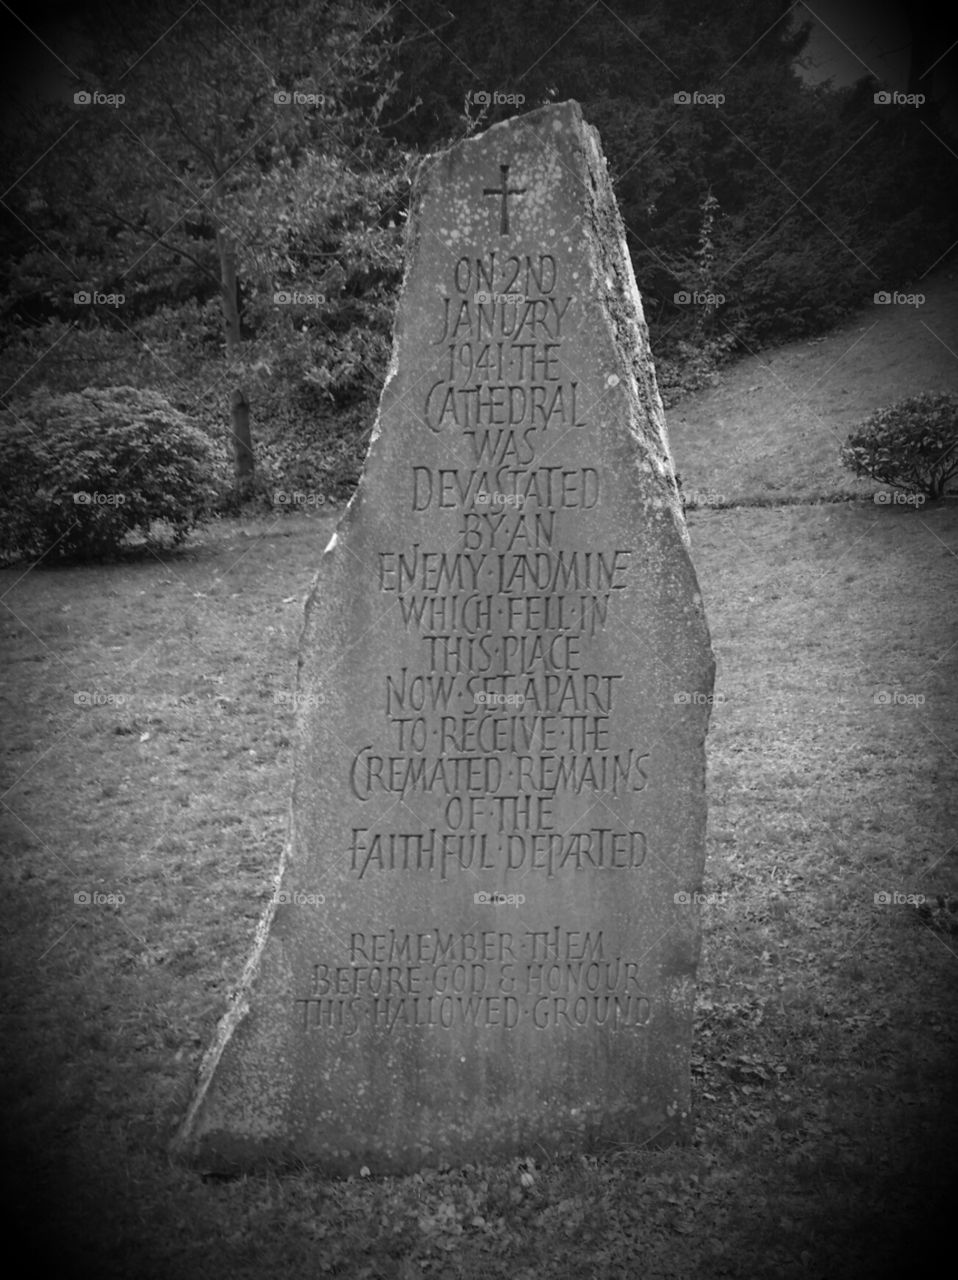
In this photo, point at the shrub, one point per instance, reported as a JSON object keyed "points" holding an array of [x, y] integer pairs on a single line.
{"points": [[80, 472], [912, 445], [688, 366]]}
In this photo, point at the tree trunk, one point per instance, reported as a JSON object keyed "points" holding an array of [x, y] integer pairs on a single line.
{"points": [[243, 458], [242, 438]]}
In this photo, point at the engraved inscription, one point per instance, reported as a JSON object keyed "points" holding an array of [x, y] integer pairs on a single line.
{"points": [[488, 978], [505, 719], [505, 714]]}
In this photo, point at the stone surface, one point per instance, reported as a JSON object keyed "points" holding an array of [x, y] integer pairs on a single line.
{"points": [[486, 932]]}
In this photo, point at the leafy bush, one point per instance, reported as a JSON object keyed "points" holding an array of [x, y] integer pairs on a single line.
{"points": [[80, 472], [687, 366], [912, 445]]}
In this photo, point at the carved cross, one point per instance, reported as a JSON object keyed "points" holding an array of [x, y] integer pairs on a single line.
{"points": [[505, 191]]}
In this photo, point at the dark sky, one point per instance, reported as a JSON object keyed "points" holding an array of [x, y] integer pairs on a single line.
{"points": [[35, 52], [853, 38]]}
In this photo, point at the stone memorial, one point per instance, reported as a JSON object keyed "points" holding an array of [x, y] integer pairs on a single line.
{"points": [[485, 933]]}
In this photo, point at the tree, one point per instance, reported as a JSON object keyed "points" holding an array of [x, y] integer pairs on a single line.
{"points": [[678, 169], [185, 154], [736, 180]]}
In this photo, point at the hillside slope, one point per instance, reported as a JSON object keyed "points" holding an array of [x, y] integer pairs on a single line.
{"points": [[771, 429]]}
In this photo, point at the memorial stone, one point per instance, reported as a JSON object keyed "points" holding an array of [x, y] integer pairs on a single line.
{"points": [[485, 933]]}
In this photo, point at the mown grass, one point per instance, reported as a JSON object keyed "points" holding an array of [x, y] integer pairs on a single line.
{"points": [[147, 754], [771, 428], [825, 1112]]}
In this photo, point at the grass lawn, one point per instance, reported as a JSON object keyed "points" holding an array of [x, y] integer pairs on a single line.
{"points": [[770, 430], [146, 771]]}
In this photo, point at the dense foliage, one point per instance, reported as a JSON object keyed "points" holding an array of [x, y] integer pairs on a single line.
{"points": [[236, 200], [756, 205], [81, 472], [230, 234], [912, 444]]}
